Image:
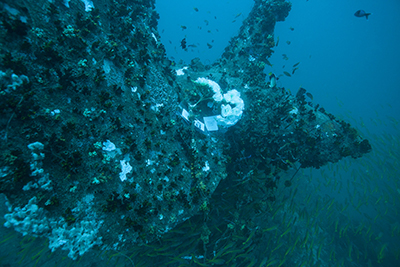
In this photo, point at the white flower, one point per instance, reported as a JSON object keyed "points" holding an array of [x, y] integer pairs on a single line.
{"points": [[226, 110], [217, 97], [214, 86], [232, 96]]}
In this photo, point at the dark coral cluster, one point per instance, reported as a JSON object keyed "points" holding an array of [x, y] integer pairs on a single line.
{"points": [[91, 77]]}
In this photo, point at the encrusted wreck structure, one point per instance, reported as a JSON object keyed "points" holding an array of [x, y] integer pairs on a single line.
{"points": [[100, 141]]}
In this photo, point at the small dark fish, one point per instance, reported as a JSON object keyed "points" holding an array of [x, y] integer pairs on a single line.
{"points": [[238, 15], [268, 63], [206, 21], [209, 46], [285, 57], [277, 41], [183, 43], [310, 96], [361, 13], [287, 74], [288, 42], [192, 45], [295, 65], [183, 27], [293, 71], [301, 92], [196, 9], [291, 28]]}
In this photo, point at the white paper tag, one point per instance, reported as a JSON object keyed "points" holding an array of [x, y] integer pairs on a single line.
{"points": [[199, 124], [211, 123], [185, 114]]}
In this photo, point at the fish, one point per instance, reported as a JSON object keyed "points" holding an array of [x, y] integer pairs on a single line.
{"points": [[295, 65], [293, 71], [196, 9], [272, 80], [277, 41], [288, 42], [238, 15], [361, 13], [209, 46], [284, 57], [291, 28], [183, 27], [287, 74], [268, 63], [183, 43]]}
